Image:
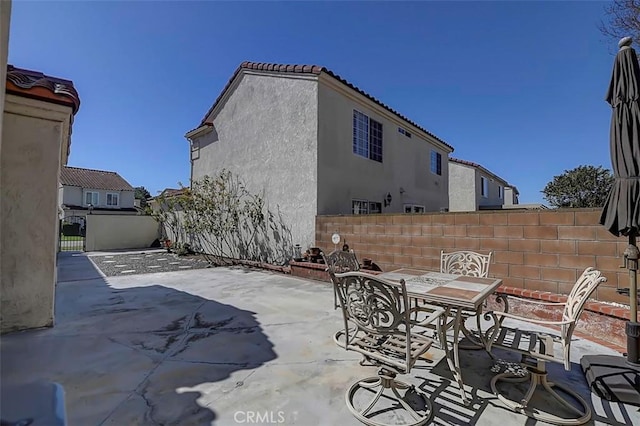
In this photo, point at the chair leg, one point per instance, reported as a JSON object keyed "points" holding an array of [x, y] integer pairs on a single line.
{"points": [[386, 379], [536, 378]]}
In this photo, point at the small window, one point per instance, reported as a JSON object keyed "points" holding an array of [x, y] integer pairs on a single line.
{"points": [[413, 208], [436, 163], [365, 207], [484, 183], [359, 207], [112, 199], [404, 132], [500, 192], [91, 198]]}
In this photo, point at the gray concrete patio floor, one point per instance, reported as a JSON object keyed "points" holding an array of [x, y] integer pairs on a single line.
{"points": [[224, 346]]}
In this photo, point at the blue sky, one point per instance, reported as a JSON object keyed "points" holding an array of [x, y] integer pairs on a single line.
{"points": [[517, 87]]}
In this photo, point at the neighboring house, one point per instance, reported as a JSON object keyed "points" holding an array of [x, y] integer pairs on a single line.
{"points": [[85, 191], [38, 111], [472, 187], [315, 144], [167, 193]]}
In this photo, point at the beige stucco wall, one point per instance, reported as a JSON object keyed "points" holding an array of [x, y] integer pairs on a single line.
{"points": [[344, 176], [74, 196], [510, 196], [465, 188], [32, 139], [5, 20], [266, 134], [462, 188], [492, 198], [113, 232]]}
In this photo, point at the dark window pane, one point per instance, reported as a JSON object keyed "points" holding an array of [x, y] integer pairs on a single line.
{"points": [[375, 147]]}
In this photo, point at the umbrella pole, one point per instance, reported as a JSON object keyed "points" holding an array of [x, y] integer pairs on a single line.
{"points": [[633, 327], [632, 254]]}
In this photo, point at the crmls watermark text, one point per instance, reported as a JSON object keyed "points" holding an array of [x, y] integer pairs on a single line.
{"points": [[259, 417]]}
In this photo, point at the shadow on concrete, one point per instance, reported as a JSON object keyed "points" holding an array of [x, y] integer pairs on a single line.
{"points": [[476, 369], [120, 352]]}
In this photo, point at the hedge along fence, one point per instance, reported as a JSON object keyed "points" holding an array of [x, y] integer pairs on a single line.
{"points": [[538, 250]]}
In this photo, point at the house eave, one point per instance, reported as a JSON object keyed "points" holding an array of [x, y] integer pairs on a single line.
{"points": [[199, 131]]}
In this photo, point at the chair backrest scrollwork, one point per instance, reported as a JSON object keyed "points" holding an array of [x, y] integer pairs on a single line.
{"points": [[375, 306], [340, 261], [580, 293], [465, 263]]}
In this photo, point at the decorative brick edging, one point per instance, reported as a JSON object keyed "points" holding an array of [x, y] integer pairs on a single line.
{"points": [[593, 306]]}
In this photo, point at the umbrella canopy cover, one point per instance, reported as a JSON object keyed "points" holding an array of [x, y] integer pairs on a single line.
{"points": [[621, 213]]}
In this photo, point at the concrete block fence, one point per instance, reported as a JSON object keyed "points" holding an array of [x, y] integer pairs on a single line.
{"points": [[534, 251]]}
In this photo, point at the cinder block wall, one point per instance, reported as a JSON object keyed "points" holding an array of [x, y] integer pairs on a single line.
{"points": [[542, 250]]}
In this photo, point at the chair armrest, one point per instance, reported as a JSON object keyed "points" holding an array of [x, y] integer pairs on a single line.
{"points": [[535, 302], [532, 320], [434, 313]]}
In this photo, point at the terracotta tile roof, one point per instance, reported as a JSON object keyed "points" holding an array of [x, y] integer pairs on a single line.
{"points": [[310, 69], [172, 192], [93, 179], [34, 84]]}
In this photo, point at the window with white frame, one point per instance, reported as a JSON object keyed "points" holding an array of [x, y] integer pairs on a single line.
{"points": [[365, 207], [90, 198], [367, 136], [500, 192], [359, 207], [436, 163], [413, 208], [112, 199], [484, 186]]}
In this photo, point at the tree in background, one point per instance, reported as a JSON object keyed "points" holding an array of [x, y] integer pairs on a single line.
{"points": [[622, 19], [141, 194], [584, 186]]}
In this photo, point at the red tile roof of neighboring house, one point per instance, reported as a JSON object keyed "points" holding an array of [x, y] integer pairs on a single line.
{"points": [[310, 69], [36, 85], [172, 192], [93, 179]]}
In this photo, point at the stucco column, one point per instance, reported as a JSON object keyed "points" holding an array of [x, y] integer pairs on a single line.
{"points": [[5, 18], [34, 134]]}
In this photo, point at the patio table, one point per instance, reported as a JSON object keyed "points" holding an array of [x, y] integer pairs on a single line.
{"points": [[451, 292]]}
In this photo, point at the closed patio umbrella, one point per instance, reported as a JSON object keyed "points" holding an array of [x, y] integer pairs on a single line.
{"points": [[621, 213]]}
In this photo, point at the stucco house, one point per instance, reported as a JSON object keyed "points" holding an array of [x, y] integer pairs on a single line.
{"points": [[315, 144], [35, 142], [472, 187], [96, 191]]}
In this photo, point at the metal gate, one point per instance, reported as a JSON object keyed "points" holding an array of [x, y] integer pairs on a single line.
{"points": [[73, 230]]}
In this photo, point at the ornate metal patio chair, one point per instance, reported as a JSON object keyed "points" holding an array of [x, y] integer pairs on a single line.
{"points": [[377, 325], [339, 261], [538, 348], [472, 264]]}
